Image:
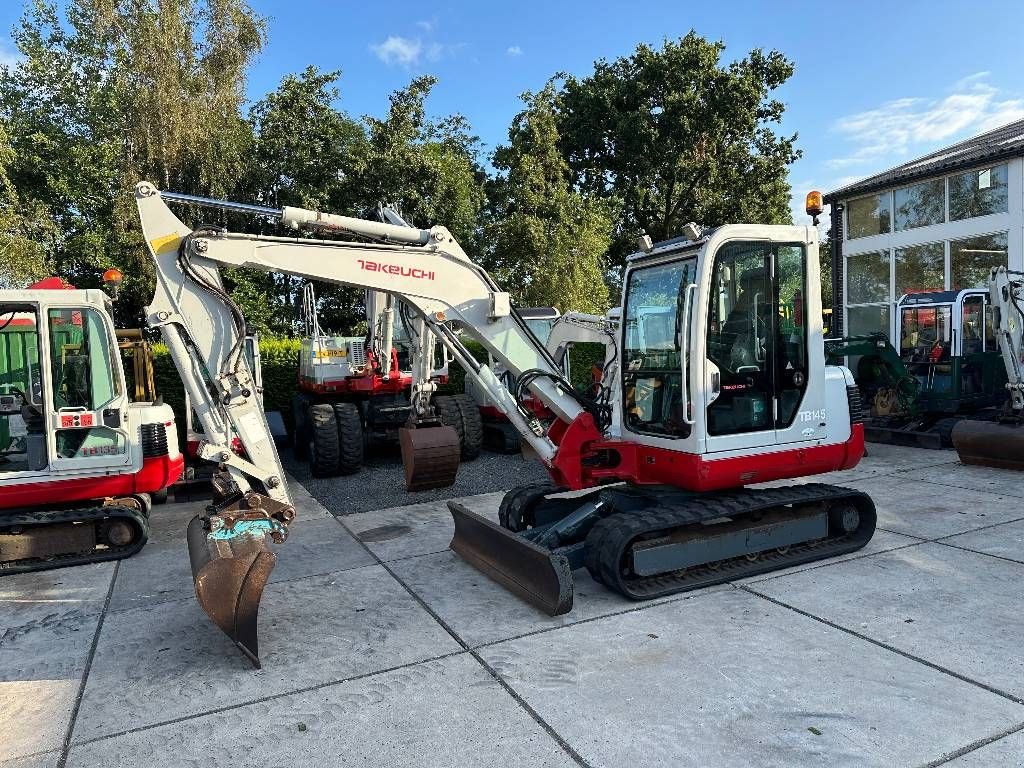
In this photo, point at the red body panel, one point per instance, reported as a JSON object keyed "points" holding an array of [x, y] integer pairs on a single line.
{"points": [[584, 460], [156, 473]]}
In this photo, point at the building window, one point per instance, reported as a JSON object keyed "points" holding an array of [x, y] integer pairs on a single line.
{"points": [[971, 260], [920, 268], [869, 319], [978, 193], [868, 216], [920, 205], [867, 277]]}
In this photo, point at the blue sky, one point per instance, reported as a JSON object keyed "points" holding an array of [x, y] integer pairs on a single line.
{"points": [[876, 83]]}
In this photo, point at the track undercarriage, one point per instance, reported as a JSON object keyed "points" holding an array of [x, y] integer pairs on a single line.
{"points": [[36, 540], [649, 541]]}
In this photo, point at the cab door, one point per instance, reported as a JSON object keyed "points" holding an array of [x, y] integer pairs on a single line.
{"points": [[87, 405], [756, 363]]}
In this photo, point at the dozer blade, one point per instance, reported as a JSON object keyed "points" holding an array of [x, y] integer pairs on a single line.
{"points": [[989, 444], [535, 574], [230, 574], [430, 456]]}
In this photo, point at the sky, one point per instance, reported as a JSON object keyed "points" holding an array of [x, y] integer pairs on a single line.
{"points": [[875, 83]]}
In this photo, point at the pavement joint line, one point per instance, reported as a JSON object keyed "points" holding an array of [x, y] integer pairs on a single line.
{"points": [[886, 646], [262, 699], [965, 488], [974, 745], [983, 528], [978, 552], [555, 736], [66, 746], [279, 581], [645, 605]]}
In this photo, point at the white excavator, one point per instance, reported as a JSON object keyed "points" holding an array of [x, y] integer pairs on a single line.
{"points": [[714, 393], [999, 442]]}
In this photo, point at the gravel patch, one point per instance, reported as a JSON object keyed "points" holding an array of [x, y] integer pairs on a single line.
{"points": [[381, 482]]}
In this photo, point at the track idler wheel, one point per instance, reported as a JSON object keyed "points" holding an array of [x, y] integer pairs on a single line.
{"points": [[231, 565], [430, 455]]}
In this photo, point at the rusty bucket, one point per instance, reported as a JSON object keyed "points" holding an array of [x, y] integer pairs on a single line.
{"points": [[230, 570], [989, 444], [430, 456]]}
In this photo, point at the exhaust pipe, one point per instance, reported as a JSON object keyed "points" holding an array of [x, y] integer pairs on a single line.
{"points": [[231, 563]]}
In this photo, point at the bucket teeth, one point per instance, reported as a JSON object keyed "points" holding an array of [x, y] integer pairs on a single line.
{"points": [[535, 574], [430, 456], [230, 574]]}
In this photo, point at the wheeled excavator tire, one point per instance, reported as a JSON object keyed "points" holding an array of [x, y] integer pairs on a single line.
{"points": [[350, 438], [649, 541], [300, 430], [461, 413], [324, 449]]}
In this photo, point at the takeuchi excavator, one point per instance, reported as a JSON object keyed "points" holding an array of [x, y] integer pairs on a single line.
{"points": [[714, 393]]}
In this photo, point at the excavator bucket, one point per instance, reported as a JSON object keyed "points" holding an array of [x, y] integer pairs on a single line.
{"points": [[230, 574], [537, 575], [430, 456], [989, 444]]}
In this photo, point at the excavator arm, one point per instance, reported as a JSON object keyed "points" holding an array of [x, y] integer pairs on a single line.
{"points": [[204, 329]]}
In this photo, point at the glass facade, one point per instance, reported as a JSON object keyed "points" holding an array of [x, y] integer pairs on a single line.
{"points": [[868, 216], [937, 234], [979, 192], [971, 259], [920, 268], [920, 205]]}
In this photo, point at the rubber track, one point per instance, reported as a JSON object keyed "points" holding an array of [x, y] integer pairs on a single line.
{"points": [[37, 518], [515, 510], [609, 540]]}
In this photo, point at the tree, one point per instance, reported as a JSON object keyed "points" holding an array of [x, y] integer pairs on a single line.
{"points": [[427, 169], [304, 149], [548, 240], [677, 137], [121, 90], [25, 228]]}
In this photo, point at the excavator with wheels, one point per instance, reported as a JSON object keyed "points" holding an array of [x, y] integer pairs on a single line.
{"points": [[353, 391], [80, 462], [999, 442], [715, 393]]}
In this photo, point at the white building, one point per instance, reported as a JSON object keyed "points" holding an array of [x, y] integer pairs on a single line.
{"points": [[936, 223]]}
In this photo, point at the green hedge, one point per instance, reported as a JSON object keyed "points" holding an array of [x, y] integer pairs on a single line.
{"points": [[279, 360]]}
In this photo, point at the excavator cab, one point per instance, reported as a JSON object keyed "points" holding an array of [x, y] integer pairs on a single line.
{"points": [[69, 432]]}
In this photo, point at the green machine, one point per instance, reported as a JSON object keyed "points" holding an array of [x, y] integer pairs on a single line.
{"points": [[947, 368]]}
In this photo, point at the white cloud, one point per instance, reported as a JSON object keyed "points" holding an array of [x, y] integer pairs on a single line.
{"points": [[514, 50], [427, 26], [900, 128], [403, 51]]}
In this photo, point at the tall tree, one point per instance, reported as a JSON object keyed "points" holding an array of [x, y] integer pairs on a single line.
{"points": [[428, 169], [25, 228], [115, 91], [677, 137], [547, 240]]}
